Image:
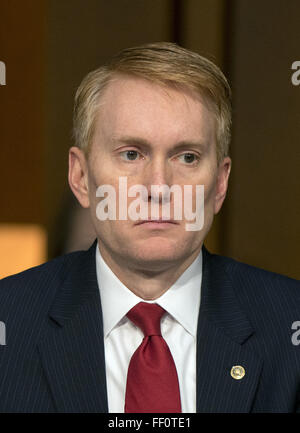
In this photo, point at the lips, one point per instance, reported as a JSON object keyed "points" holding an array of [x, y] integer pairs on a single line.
{"points": [[157, 221]]}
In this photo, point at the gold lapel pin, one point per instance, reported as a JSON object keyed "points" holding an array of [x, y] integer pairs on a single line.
{"points": [[237, 372]]}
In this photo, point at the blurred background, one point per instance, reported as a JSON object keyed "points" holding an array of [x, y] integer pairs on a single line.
{"points": [[48, 46]]}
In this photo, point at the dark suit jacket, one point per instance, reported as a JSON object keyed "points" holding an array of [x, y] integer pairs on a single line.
{"points": [[53, 360]]}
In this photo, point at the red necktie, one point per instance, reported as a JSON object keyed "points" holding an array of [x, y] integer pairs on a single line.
{"points": [[152, 381]]}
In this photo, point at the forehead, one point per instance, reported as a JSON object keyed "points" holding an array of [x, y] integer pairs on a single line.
{"points": [[137, 107]]}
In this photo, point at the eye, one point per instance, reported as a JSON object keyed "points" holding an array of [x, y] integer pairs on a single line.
{"points": [[130, 155], [189, 158]]}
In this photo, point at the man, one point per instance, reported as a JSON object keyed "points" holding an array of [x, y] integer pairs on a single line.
{"points": [[147, 320]]}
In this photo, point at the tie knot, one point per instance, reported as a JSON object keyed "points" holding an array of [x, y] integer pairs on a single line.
{"points": [[147, 317]]}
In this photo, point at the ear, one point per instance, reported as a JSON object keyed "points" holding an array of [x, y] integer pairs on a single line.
{"points": [[78, 176], [222, 183]]}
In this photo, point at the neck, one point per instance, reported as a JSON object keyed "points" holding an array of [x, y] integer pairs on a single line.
{"points": [[148, 285]]}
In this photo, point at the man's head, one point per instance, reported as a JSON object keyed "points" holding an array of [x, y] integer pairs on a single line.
{"points": [[158, 115]]}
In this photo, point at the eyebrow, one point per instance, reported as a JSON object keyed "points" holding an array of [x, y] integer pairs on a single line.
{"points": [[141, 142]]}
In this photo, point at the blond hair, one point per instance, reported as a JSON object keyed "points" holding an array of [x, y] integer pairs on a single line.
{"points": [[164, 63]]}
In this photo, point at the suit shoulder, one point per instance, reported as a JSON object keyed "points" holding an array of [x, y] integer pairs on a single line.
{"points": [[259, 275], [239, 266], [26, 297], [257, 288], [49, 274]]}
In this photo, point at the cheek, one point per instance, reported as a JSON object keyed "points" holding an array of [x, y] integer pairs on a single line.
{"points": [[99, 178], [209, 198], [209, 192], [208, 178]]}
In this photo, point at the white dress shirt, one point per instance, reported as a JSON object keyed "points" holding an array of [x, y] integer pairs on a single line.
{"points": [[178, 327]]}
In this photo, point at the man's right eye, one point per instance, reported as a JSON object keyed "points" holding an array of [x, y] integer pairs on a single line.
{"points": [[129, 155]]}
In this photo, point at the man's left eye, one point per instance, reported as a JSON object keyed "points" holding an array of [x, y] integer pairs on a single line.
{"points": [[188, 158]]}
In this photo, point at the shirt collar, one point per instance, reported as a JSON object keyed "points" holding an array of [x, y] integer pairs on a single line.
{"points": [[181, 300]]}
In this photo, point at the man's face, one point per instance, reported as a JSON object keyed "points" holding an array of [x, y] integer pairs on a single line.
{"points": [[153, 136]]}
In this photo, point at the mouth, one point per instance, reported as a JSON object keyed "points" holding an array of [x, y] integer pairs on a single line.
{"points": [[157, 223]]}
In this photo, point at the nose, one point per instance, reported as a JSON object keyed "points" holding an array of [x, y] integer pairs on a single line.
{"points": [[158, 172]]}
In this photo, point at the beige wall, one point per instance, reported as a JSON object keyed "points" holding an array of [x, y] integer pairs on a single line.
{"points": [[22, 144], [263, 205], [22, 136]]}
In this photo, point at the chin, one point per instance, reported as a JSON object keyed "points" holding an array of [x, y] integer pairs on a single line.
{"points": [[158, 250]]}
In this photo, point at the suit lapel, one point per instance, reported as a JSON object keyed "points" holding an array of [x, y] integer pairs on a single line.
{"points": [[223, 333], [72, 348]]}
